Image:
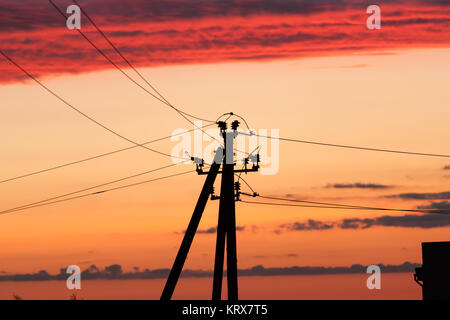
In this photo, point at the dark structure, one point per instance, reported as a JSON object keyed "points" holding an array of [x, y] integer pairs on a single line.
{"points": [[226, 226], [434, 275]]}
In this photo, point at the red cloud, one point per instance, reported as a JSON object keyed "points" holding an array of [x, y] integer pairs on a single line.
{"points": [[206, 31]]}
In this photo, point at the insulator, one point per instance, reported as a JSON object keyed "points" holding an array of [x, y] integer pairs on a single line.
{"points": [[222, 125]]}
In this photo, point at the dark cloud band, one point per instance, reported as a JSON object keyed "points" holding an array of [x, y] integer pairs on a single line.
{"points": [[115, 271], [357, 185], [422, 196], [438, 219]]}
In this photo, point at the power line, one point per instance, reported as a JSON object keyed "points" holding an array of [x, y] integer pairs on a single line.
{"points": [[346, 206], [93, 187], [230, 114], [96, 156], [439, 211], [92, 193], [295, 205], [326, 205], [355, 147], [110, 61], [126, 75], [246, 183], [132, 67], [81, 112]]}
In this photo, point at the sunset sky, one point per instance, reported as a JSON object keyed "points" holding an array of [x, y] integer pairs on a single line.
{"points": [[308, 68]]}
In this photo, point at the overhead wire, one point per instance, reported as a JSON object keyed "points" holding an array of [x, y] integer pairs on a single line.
{"points": [[81, 112], [310, 202], [163, 100], [231, 114], [96, 186], [132, 67], [42, 203], [246, 183], [355, 147]]}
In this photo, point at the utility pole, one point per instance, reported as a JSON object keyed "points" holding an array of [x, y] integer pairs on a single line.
{"points": [[226, 225], [190, 231]]}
